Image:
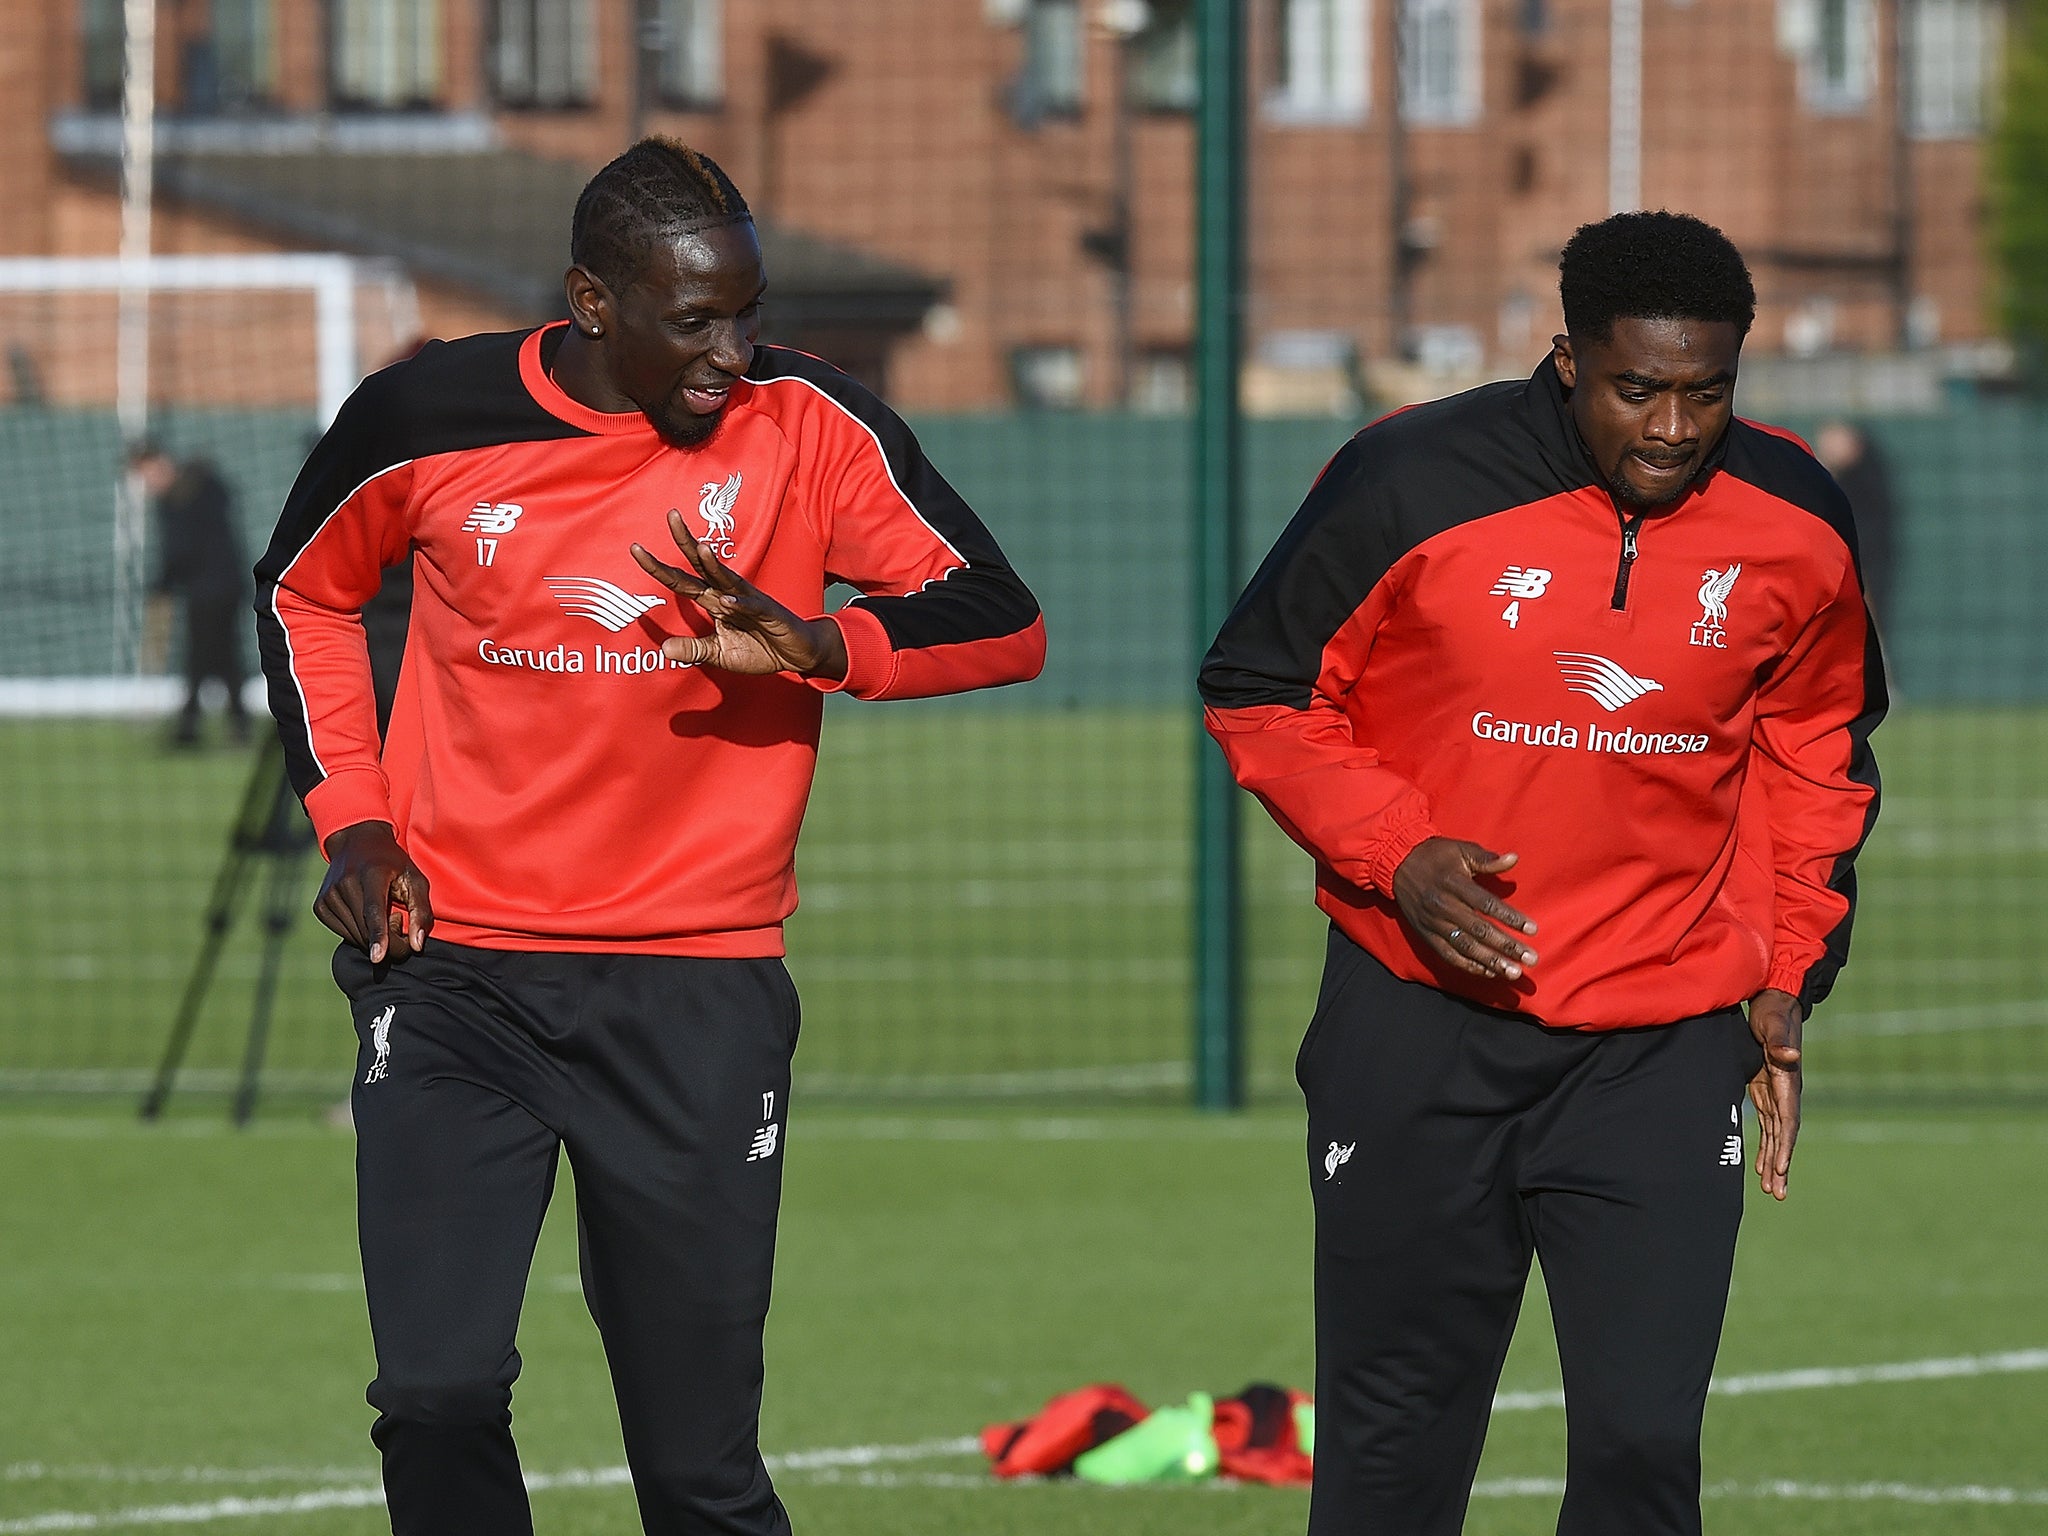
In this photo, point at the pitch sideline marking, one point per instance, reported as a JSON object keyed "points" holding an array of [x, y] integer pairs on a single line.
{"points": [[1940, 1369], [1492, 1488], [861, 1460]]}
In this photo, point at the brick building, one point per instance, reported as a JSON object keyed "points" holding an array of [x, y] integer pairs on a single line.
{"points": [[977, 202]]}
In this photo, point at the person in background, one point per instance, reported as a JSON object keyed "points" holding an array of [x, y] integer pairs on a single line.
{"points": [[1859, 468], [201, 564]]}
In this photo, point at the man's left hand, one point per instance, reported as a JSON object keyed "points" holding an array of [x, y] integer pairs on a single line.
{"points": [[1776, 1019], [750, 631]]}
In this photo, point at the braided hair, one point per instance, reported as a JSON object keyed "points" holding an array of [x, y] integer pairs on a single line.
{"points": [[1652, 266], [656, 192]]}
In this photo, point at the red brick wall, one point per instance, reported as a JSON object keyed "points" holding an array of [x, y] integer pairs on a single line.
{"points": [[907, 151]]}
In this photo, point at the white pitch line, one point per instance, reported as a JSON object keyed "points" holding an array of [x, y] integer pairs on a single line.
{"points": [[1904, 1493], [368, 1495], [363, 1497], [873, 1455], [39, 1471], [857, 1463], [2004, 1363], [2029, 1013], [1785, 1488]]}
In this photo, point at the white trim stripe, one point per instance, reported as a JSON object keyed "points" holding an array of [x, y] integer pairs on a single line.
{"points": [[960, 562], [291, 658]]}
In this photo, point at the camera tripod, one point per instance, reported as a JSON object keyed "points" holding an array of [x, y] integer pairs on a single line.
{"points": [[270, 825]]}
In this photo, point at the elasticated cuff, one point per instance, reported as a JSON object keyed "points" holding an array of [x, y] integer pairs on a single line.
{"points": [[345, 798], [870, 659], [1786, 978], [1394, 845]]}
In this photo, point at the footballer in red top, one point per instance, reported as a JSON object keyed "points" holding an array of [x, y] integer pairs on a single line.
{"points": [[1568, 687], [622, 529]]}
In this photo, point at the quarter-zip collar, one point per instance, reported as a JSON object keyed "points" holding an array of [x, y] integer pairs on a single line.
{"points": [[1549, 415]]}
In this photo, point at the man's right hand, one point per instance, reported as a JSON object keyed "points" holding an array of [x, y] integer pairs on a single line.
{"points": [[1469, 926], [367, 875]]}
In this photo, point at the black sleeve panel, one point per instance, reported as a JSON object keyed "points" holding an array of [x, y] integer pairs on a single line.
{"points": [[1333, 552], [446, 397], [1782, 467], [1401, 481], [983, 599], [1786, 470]]}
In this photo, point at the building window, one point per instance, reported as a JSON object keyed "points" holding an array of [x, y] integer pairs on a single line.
{"points": [[1955, 51], [386, 53], [229, 67], [1161, 383], [105, 39], [1049, 85], [692, 46], [1321, 61], [1047, 378], [1162, 58], [1835, 42], [1439, 62], [543, 53]]}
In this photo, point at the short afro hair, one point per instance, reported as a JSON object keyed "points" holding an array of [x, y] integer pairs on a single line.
{"points": [[1652, 266], [656, 192]]}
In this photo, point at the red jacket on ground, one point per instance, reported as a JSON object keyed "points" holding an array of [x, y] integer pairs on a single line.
{"points": [[1666, 717], [560, 783]]}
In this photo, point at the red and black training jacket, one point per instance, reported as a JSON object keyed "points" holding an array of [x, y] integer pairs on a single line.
{"points": [[1667, 717], [561, 784]]}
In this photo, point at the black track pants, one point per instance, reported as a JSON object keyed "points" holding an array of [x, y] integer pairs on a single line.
{"points": [[667, 1080], [1447, 1143]]}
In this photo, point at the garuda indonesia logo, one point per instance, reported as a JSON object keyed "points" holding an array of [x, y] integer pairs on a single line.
{"points": [[607, 606], [1606, 683]]}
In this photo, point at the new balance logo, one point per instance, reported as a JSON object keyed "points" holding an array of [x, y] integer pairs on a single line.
{"points": [[765, 1138], [605, 605], [380, 1042], [1731, 1152], [493, 517], [1336, 1158], [1605, 682], [1521, 581]]}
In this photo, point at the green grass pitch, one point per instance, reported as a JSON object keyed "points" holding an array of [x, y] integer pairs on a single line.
{"points": [[995, 903], [183, 1328]]}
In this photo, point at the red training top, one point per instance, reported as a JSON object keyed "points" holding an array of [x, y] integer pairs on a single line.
{"points": [[562, 785], [1667, 716]]}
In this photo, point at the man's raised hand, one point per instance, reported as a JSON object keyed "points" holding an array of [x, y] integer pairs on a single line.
{"points": [[367, 875], [1777, 1021], [750, 631], [1466, 924]]}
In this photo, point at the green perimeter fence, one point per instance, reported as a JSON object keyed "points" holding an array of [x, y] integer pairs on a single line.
{"points": [[996, 890]]}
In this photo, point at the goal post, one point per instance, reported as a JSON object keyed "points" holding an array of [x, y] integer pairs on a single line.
{"points": [[249, 355]]}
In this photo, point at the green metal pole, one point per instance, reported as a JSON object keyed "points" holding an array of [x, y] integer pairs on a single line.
{"points": [[1218, 485]]}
